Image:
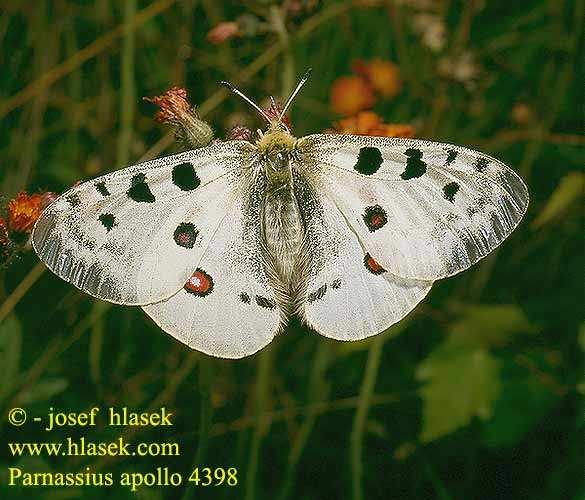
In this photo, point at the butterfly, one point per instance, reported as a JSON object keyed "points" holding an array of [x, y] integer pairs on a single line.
{"points": [[222, 245]]}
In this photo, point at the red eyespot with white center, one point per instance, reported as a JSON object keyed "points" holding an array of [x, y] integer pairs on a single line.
{"points": [[199, 284]]}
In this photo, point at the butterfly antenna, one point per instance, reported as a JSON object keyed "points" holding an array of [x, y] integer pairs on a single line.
{"points": [[295, 92], [247, 99]]}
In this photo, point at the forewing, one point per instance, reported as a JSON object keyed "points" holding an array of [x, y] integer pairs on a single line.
{"points": [[136, 235], [424, 210], [227, 309], [349, 295]]}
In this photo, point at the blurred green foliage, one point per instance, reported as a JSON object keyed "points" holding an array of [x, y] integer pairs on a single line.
{"points": [[478, 394]]}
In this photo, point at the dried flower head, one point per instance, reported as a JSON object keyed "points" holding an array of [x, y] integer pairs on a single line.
{"points": [[174, 106], [23, 212], [370, 123], [383, 76], [240, 133], [176, 110], [223, 32], [274, 110], [350, 95]]}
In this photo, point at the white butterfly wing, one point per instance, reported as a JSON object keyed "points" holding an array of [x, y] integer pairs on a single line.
{"points": [[227, 309], [424, 210], [349, 295], [136, 235]]}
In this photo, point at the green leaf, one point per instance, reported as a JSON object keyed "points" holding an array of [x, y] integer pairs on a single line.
{"points": [[570, 188], [461, 378], [461, 382], [490, 325], [10, 348]]}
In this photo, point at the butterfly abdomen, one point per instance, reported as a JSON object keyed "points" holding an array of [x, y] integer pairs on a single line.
{"points": [[284, 234]]}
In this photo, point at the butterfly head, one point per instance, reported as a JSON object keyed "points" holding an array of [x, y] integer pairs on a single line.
{"points": [[278, 134], [276, 140]]}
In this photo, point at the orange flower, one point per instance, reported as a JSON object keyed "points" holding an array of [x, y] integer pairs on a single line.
{"points": [[222, 32], [370, 123], [23, 212], [351, 94], [383, 76], [359, 124], [393, 130]]}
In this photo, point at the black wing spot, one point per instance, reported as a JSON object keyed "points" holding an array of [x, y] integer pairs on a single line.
{"points": [[372, 265], [452, 154], [415, 166], [185, 235], [185, 177], [73, 200], [102, 189], [375, 217], [481, 164], [245, 298], [317, 294], [108, 221], [450, 190], [336, 284], [369, 161], [139, 190], [264, 302]]}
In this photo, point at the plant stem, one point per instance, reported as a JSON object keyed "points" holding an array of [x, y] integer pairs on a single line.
{"points": [[205, 417], [29, 280], [288, 70], [317, 392], [261, 397], [357, 432], [128, 92]]}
